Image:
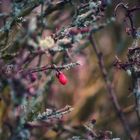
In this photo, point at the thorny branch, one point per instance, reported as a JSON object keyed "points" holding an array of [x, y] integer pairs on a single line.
{"points": [[133, 63], [110, 89]]}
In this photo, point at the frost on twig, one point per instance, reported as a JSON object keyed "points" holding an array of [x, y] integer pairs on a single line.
{"points": [[51, 114], [50, 67], [134, 56]]}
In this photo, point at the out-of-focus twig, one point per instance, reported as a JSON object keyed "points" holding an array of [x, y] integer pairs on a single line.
{"points": [[129, 16]]}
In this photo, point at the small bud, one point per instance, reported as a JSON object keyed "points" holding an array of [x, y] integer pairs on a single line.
{"points": [[46, 43], [33, 77], [84, 30], [62, 78]]}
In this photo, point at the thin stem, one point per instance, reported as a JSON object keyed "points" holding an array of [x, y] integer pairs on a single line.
{"points": [[47, 67]]}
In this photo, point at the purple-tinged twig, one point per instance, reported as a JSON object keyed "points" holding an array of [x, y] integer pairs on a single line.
{"points": [[110, 89]]}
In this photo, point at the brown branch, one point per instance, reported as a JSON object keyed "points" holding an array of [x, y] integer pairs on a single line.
{"points": [[110, 89]]}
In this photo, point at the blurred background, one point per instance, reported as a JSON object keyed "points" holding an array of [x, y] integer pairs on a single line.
{"points": [[85, 90]]}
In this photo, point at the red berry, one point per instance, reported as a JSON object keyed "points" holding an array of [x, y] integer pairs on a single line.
{"points": [[62, 78]]}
